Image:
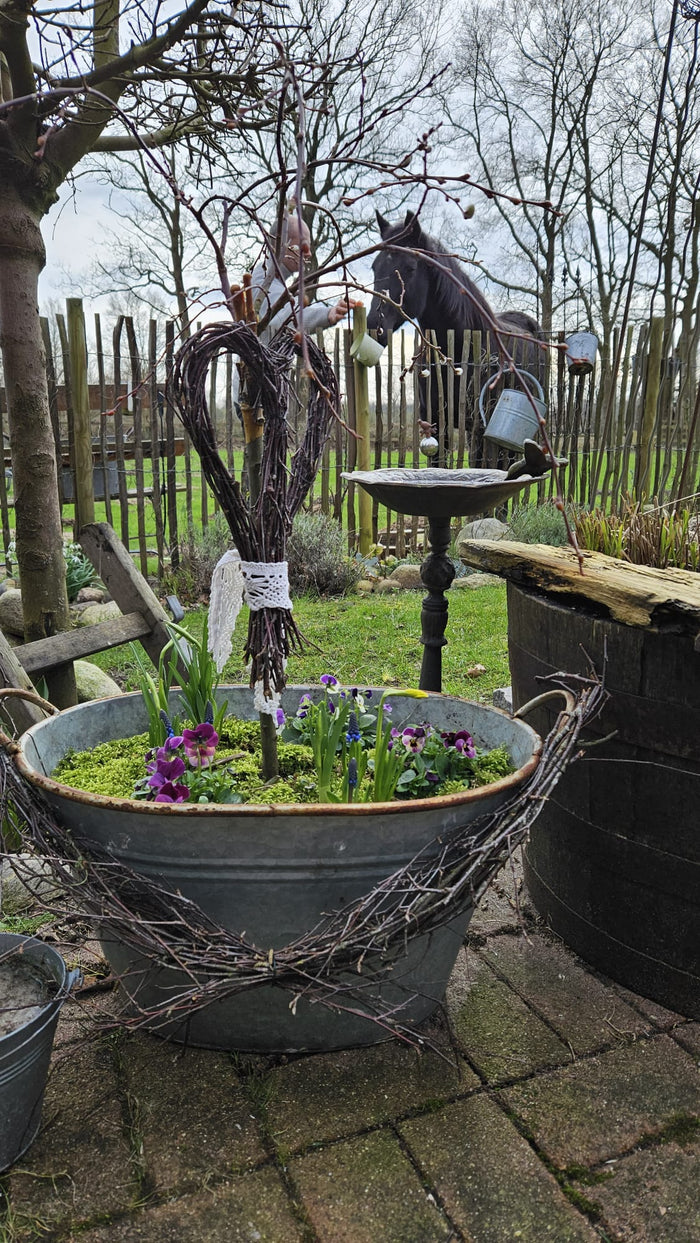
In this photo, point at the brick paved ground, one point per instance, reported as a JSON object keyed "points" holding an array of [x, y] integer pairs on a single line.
{"points": [[568, 1111]]}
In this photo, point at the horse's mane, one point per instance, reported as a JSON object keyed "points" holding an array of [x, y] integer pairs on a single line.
{"points": [[469, 310]]}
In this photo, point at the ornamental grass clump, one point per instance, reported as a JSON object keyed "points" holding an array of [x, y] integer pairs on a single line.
{"points": [[642, 534]]}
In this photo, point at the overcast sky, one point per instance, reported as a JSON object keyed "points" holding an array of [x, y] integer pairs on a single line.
{"points": [[73, 234]]}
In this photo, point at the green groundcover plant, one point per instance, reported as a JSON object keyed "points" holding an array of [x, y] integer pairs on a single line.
{"points": [[341, 747]]}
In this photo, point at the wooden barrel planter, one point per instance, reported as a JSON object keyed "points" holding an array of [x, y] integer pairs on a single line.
{"points": [[613, 861]]}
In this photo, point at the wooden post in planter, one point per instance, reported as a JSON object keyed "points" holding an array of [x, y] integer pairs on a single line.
{"points": [[253, 430]]}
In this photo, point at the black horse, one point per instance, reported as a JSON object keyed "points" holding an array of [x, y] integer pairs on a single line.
{"points": [[421, 281]]}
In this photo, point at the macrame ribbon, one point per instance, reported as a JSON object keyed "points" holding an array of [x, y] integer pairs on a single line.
{"points": [[263, 585]]}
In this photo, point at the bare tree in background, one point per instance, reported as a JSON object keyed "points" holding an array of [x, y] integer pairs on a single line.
{"points": [[153, 252], [133, 77], [65, 74], [535, 110], [376, 91], [366, 66]]}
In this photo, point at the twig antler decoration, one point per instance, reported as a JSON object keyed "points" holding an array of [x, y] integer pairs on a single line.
{"points": [[260, 531]]}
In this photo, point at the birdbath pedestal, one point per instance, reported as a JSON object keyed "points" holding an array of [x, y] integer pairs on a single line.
{"points": [[438, 496]]}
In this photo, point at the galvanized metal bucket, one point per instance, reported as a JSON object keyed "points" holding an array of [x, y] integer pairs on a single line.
{"points": [[515, 418], [274, 871], [581, 350], [25, 1052]]}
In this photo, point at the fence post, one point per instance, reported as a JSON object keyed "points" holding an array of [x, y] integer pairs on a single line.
{"points": [[651, 401], [359, 328], [82, 437]]}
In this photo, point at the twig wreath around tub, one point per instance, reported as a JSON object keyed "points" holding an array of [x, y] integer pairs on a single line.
{"points": [[334, 964]]}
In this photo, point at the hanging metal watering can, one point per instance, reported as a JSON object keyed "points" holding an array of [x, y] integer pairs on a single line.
{"points": [[514, 420], [581, 350]]}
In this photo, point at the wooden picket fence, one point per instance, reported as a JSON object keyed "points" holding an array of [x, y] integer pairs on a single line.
{"points": [[644, 437]]}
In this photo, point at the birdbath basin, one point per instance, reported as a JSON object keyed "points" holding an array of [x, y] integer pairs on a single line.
{"points": [[432, 492], [439, 495]]}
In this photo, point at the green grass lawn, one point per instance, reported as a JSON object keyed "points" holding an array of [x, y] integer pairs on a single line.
{"points": [[376, 640]]}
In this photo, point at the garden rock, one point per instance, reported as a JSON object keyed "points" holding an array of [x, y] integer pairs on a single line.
{"points": [[11, 613], [366, 585], [15, 896], [385, 586], [93, 683], [91, 595], [407, 577], [95, 613], [482, 528], [503, 698], [6, 584], [471, 582]]}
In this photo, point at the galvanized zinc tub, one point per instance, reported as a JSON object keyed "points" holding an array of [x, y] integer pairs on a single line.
{"points": [[272, 871], [25, 1052]]}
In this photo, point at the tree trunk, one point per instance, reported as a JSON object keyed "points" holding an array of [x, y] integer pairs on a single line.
{"points": [[37, 511]]}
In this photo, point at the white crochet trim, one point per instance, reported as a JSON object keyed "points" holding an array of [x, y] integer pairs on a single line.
{"points": [[227, 589], [262, 584], [261, 704], [266, 584]]}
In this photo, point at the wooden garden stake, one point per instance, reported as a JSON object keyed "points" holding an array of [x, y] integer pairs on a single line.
{"points": [[364, 500]]}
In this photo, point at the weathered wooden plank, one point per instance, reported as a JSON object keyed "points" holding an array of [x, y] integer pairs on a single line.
{"points": [[124, 583], [21, 713], [637, 595], [58, 649]]}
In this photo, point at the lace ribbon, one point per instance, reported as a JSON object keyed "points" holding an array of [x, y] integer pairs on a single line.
{"points": [[262, 584]]}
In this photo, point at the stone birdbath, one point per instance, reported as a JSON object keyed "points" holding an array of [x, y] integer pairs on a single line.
{"points": [[439, 495]]}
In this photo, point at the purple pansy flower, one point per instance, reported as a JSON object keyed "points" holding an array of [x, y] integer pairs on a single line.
{"points": [[413, 738], [328, 680], [200, 744], [280, 717], [462, 742], [172, 742], [171, 793], [166, 770]]}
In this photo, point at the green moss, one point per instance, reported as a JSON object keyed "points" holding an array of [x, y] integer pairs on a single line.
{"points": [[111, 769], [682, 1129], [27, 925], [492, 766], [236, 735], [582, 1174], [582, 1203]]}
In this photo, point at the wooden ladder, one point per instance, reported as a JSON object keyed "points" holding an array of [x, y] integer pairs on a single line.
{"points": [[143, 618]]}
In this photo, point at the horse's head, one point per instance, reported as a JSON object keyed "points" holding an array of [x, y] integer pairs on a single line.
{"points": [[399, 276]]}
